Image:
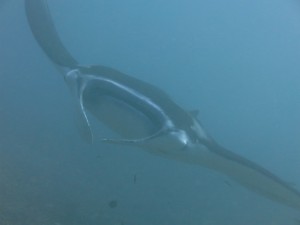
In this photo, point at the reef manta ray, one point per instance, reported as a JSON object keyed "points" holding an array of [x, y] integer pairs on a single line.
{"points": [[145, 116]]}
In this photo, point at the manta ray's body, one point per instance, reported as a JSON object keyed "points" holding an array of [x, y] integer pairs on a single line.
{"points": [[145, 116]]}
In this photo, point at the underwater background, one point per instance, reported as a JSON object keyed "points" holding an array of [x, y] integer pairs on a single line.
{"points": [[235, 61]]}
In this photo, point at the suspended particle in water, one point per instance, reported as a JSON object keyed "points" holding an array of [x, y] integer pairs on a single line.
{"points": [[113, 204]]}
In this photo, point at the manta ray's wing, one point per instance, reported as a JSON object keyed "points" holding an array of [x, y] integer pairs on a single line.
{"points": [[249, 174], [44, 31]]}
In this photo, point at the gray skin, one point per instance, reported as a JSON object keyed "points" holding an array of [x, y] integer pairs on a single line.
{"points": [[145, 116]]}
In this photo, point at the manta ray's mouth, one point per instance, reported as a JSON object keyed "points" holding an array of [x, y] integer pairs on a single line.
{"points": [[122, 118]]}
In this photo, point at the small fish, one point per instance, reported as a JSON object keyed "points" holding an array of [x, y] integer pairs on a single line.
{"points": [[113, 204]]}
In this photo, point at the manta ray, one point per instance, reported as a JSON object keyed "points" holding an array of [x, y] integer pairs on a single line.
{"points": [[145, 116]]}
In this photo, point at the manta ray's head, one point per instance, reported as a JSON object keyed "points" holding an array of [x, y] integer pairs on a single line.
{"points": [[145, 118], [175, 138]]}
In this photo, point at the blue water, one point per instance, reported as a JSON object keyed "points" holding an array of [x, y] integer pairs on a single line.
{"points": [[236, 61]]}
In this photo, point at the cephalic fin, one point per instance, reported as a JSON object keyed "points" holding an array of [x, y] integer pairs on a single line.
{"points": [[83, 122], [77, 87]]}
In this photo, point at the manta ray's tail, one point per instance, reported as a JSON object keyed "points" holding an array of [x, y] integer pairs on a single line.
{"points": [[44, 31]]}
